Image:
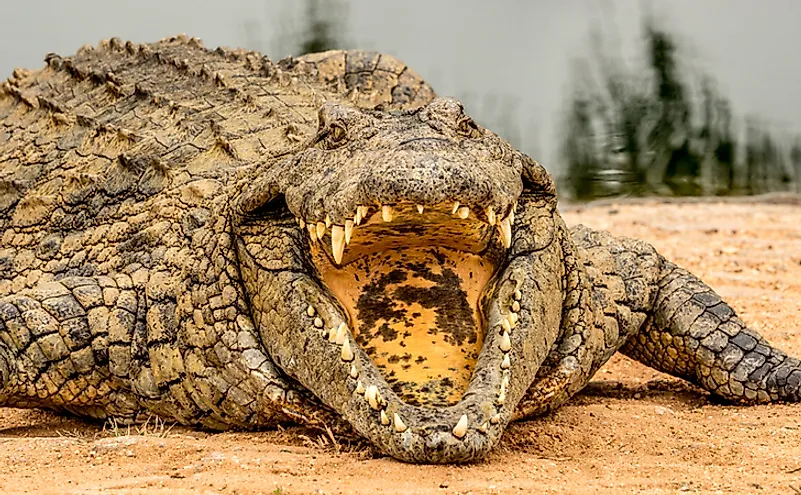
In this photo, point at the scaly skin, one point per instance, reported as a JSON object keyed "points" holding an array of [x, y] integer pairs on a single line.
{"points": [[174, 221]]}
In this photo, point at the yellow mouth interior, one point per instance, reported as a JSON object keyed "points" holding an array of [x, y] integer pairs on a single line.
{"points": [[413, 300]]}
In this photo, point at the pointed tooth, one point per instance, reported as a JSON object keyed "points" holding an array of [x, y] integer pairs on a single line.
{"points": [[506, 342], [484, 427], [460, 430], [516, 306], [310, 311], [354, 371], [384, 418], [420, 209], [312, 232], [369, 394], [505, 381], [359, 388], [513, 319], [318, 322], [455, 208], [342, 334], [400, 426], [506, 324], [357, 218], [506, 232], [372, 397], [337, 243], [386, 213], [517, 295], [327, 220], [332, 335], [302, 223], [501, 398], [347, 353], [506, 363], [490, 215], [463, 212], [320, 230], [496, 418], [348, 231], [365, 211]]}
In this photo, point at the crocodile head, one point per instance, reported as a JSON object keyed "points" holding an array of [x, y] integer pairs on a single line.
{"points": [[406, 268]]}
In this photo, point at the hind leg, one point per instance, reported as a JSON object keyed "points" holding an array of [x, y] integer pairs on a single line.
{"points": [[691, 333]]}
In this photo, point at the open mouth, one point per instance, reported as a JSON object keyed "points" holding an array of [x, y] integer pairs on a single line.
{"points": [[412, 280], [422, 325]]}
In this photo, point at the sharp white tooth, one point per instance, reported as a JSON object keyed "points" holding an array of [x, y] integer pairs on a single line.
{"points": [[320, 230], [506, 342], [310, 311], [501, 398], [506, 232], [506, 324], [359, 388], [400, 426], [342, 334], [463, 212], [483, 428], [516, 306], [312, 232], [332, 335], [517, 295], [506, 363], [372, 397], [348, 230], [505, 380], [460, 430], [337, 243], [365, 211], [318, 322], [357, 218], [490, 215], [301, 223], [455, 208], [354, 371], [327, 220], [513, 319], [420, 209], [347, 353], [495, 419], [384, 418], [386, 213]]}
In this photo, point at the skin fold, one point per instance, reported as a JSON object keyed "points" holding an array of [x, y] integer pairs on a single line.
{"points": [[228, 242]]}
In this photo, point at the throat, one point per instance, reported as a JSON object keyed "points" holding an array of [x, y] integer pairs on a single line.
{"points": [[415, 312]]}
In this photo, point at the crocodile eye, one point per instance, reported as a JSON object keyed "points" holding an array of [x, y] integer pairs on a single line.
{"points": [[337, 134], [467, 127]]}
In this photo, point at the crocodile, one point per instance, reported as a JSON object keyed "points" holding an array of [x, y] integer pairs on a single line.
{"points": [[228, 242]]}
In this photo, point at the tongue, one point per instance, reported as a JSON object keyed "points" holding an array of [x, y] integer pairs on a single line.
{"points": [[414, 311]]}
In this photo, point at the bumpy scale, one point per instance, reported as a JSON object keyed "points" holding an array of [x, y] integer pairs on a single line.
{"points": [[228, 242]]}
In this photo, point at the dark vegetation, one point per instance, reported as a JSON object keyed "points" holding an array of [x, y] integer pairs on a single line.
{"points": [[658, 128]]}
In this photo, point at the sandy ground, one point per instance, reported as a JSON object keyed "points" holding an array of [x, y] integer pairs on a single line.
{"points": [[632, 431]]}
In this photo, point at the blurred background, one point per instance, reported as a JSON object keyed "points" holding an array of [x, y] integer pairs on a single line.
{"points": [[614, 97]]}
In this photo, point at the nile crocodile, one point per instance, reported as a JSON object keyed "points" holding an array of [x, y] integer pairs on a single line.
{"points": [[228, 242]]}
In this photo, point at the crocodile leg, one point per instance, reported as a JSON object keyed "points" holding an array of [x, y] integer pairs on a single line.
{"points": [[99, 347], [691, 333], [661, 315], [57, 347]]}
